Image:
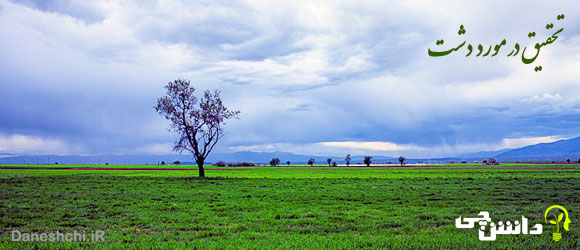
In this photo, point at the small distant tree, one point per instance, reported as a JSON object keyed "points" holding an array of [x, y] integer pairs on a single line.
{"points": [[402, 160], [492, 161], [106, 163], [275, 162], [334, 164], [162, 162], [578, 160], [485, 162], [311, 161], [347, 160], [288, 163], [198, 122], [56, 163], [368, 160], [452, 162], [176, 162], [568, 160], [329, 160]]}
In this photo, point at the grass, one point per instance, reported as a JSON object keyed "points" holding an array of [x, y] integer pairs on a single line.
{"points": [[287, 208]]}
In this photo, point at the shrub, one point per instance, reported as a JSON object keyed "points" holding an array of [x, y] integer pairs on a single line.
{"points": [[368, 160], [220, 164], [275, 162], [240, 164], [311, 161], [176, 162], [402, 160]]}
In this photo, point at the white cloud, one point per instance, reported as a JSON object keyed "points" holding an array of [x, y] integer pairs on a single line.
{"points": [[156, 149], [371, 145], [526, 141], [331, 76], [546, 97], [355, 148], [25, 144], [393, 149]]}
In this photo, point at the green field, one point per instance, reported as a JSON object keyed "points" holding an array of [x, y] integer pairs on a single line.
{"points": [[286, 207]]}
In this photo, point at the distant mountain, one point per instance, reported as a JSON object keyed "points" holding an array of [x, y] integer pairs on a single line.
{"points": [[557, 150], [256, 157], [93, 160], [244, 156], [263, 157], [483, 154]]}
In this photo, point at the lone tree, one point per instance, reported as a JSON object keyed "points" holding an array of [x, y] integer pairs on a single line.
{"points": [[347, 160], [275, 162], [329, 160], [311, 161], [568, 160], [288, 163], [402, 160], [197, 122], [368, 161]]}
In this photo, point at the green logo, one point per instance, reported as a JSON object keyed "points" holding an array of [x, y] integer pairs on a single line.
{"points": [[557, 219]]}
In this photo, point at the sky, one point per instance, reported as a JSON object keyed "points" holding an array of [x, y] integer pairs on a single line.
{"points": [[309, 77]]}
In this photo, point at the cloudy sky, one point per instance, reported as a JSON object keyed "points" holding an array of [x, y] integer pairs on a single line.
{"points": [[309, 77]]}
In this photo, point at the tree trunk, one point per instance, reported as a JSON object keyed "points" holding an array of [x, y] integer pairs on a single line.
{"points": [[201, 169]]}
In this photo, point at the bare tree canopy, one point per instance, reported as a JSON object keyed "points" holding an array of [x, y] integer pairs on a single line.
{"points": [[197, 122]]}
